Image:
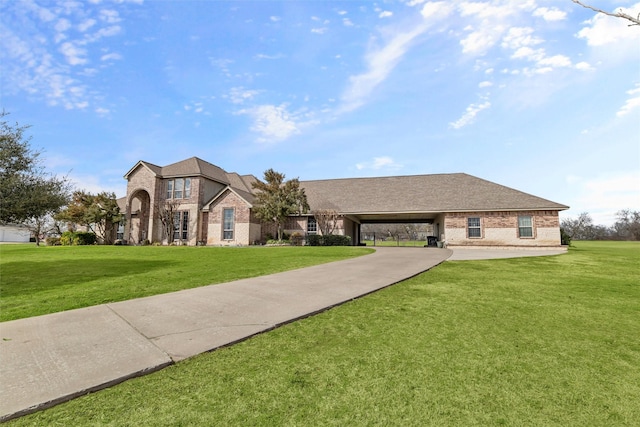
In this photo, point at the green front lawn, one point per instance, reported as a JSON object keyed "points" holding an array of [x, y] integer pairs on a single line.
{"points": [[528, 341], [41, 280]]}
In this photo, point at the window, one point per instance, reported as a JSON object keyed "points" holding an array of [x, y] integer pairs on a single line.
{"points": [[177, 191], [312, 225], [181, 225], [120, 232], [228, 222], [525, 226], [187, 188], [179, 188], [185, 225], [170, 189], [473, 227]]}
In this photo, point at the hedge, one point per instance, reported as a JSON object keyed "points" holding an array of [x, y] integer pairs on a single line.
{"points": [[78, 238], [328, 240]]}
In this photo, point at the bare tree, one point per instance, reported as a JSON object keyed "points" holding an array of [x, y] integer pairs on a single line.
{"points": [[327, 220], [166, 212], [627, 227], [580, 228], [619, 14]]}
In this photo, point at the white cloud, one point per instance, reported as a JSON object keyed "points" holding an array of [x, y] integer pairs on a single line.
{"points": [[272, 122], [486, 9], [103, 32], [385, 14], [437, 9], [377, 163], [86, 24], [603, 30], [555, 61], [585, 66], [380, 63], [111, 57], [347, 22], [484, 84], [479, 42], [73, 54], [270, 57], [470, 114], [550, 14], [110, 16], [518, 37], [319, 30], [275, 18], [35, 66], [62, 25], [632, 103], [239, 95]]}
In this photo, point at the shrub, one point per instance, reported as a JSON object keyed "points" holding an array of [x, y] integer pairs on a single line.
{"points": [[118, 242], [53, 241], [565, 239], [78, 238], [328, 240], [86, 238], [296, 238], [274, 242]]}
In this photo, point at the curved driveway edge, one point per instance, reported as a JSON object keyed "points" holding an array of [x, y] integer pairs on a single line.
{"points": [[46, 360]]}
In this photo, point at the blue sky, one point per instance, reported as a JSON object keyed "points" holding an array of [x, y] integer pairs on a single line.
{"points": [[542, 96]]}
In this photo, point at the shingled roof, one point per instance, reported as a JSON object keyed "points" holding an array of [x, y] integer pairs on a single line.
{"points": [[457, 192], [195, 166]]}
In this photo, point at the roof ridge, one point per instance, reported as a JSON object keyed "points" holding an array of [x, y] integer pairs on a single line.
{"points": [[388, 176]]}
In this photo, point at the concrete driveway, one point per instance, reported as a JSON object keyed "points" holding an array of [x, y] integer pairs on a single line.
{"points": [[49, 359]]}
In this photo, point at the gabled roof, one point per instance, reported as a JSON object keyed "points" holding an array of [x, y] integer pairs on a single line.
{"points": [[457, 192], [153, 168], [195, 167], [247, 197]]}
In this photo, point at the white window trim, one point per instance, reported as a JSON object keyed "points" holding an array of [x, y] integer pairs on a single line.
{"points": [[533, 228], [171, 192], [233, 226], [478, 228]]}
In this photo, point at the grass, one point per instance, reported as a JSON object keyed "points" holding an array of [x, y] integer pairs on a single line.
{"points": [[41, 280], [528, 341]]}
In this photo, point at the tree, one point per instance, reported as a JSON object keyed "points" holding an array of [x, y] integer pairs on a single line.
{"points": [[580, 228], [98, 213], [41, 226], [166, 211], [627, 227], [327, 219], [619, 14], [26, 190], [276, 199]]}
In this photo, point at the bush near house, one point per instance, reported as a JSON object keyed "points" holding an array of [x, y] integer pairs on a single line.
{"points": [[78, 238], [329, 240], [53, 241]]}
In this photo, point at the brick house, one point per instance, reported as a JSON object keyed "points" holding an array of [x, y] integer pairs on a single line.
{"points": [[216, 207]]}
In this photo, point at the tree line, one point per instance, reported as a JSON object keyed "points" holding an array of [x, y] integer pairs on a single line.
{"points": [[626, 227]]}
